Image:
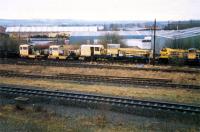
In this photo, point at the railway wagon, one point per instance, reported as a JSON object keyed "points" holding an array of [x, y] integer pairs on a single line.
{"points": [[130, 54]]}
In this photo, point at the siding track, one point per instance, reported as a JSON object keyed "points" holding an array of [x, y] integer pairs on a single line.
{"points": [[112, 80], [83, 64]]}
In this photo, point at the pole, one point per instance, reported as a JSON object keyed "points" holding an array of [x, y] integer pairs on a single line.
{"points": [[19, 35], [154, 42]]}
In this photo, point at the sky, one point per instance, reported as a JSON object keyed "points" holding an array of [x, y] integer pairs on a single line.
{"points": [[101, 9]]}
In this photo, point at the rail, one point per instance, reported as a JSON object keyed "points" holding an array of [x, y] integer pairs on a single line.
{"points": [[122, 81], [91, 98]]}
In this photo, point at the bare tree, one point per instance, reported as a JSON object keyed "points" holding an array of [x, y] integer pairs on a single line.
{"points": [[112, 39]]}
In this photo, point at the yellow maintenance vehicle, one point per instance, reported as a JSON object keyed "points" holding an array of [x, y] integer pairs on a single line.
{"points": [[31, 51], [99, 52], [132, 54], [169, 54], [58, 52], [91, 51]]}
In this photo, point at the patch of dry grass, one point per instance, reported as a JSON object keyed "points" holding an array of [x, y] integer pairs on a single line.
{"points": [[164, 94], [29, 120], [183, 78], [12, 119]]}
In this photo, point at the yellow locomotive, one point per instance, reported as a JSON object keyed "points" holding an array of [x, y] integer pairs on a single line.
{"points": [[168, 55]]}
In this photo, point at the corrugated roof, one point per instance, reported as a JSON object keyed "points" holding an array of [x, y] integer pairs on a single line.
{"points": [[178, 34], [121, 33]]}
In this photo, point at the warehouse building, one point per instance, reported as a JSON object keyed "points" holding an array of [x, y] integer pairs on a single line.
{"points": [[182, 39], [77, 37]]}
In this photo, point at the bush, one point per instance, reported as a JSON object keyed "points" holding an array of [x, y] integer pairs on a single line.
{"points": [[8, 46]]}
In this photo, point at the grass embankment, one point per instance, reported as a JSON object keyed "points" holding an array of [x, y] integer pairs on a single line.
{"points": [[31, 119], [34, 119], [182, 78], [163, 94]]}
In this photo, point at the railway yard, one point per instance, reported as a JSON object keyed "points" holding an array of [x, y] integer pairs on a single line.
{"points": [[100, 66], [159, 94]]}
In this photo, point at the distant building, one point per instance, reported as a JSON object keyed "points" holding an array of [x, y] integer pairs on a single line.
{"points": [[145, 43], [110, 46], [50, 31]]}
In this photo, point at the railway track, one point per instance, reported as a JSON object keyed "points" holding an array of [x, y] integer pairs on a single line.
{"points": [[81, 64], [100, 99], [122, 81]]}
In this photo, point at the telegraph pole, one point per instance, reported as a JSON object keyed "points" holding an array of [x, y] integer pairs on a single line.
{"points": [[154, 42], [19, 35]]}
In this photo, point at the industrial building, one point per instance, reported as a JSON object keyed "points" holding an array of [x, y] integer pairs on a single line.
{"points": [[181, 39], [76, 37]]}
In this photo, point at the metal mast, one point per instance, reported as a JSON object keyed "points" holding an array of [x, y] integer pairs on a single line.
{"points": [[154, 42]]}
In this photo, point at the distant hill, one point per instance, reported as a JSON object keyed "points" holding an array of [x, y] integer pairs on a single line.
{"points": [[36, 22], [67, 22]]}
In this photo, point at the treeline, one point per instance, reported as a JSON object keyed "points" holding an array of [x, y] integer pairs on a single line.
{"points": [[9, 47], [46, 36], [112, 39], [182, 25]]}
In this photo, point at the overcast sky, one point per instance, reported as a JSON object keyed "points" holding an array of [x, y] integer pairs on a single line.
{"points": [[101, 9]]}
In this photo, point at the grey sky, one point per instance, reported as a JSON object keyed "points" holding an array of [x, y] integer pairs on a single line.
{"points": [[101, 9]]}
